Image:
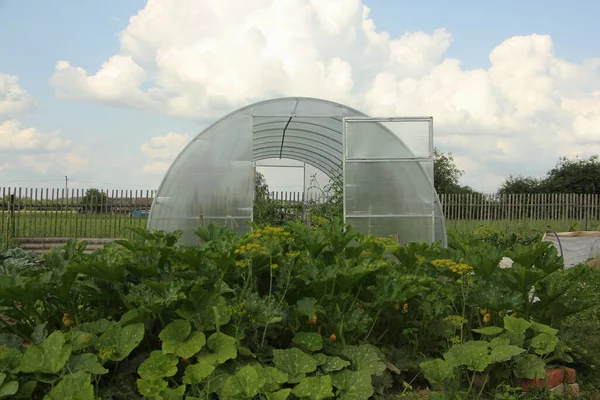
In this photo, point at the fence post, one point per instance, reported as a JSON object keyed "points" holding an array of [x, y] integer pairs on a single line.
{"points": [[12, 215]]}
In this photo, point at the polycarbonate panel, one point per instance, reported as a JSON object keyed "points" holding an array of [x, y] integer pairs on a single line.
{"points": [[378, 138], [211, 181], [305, 107], [407, 229], [380, 188], [212, 178], [386, 183]]}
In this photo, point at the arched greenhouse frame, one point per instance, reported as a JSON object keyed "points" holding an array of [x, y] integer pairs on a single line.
{"points": [[386, 165]]}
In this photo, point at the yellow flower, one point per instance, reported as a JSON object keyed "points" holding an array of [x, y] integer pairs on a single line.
{"points": [[420, 260], [483, 311], [486, 318], [405, 308], [456, 320], [461, 269], [293, 254], [274, 266]]}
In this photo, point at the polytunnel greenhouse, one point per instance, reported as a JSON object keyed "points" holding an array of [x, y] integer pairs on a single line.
{"points": [[386, 165]]}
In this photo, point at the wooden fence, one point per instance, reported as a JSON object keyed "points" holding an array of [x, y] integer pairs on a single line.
{"points": [[554, 210], [26, 212]]}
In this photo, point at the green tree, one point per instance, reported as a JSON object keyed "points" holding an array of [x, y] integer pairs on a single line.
{"points": [[581, 176], [574, 176], [94, 197], [521, 185], [446, 175], [94, 201]]}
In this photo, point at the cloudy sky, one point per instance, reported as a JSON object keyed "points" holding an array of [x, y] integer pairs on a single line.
{"points": [[108, 92]]}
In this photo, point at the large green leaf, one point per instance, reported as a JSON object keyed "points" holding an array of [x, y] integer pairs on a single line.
{"points": [[151, 387], [9, 358], [334, 364], [9, 340], [474, 355], [196, 373], [282, 394], [505, 352], [26, 390], [320, 358], [86, 362], [96, 327], [314, 388], [489, 330], [437, 371], [7, 388], [530, 366], [517, 339], [294, 362], [544, 343], [202, 307], [48, 357], [307, 306], [354, 385], [499, 341], [516, 325], [311, 341], [223, 345], [542, 328], [117, 342], [82, 340], [366, 358], [178, 339], [75, 386], [158, 365], [173, 394], [40, 332], [274, 378], [246, 383], [110, 267]]}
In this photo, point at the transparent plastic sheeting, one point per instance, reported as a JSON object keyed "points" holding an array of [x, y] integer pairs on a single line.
{"points": [[212, 178], [388, 186]]}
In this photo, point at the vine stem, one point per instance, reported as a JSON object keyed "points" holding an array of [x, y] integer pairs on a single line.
{"points": [[122, 296], [487, 375], [471, 381], [373, 324], [264, 335]]}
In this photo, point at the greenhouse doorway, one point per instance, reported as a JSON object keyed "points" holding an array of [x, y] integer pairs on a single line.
{"points": [[386, 165]]}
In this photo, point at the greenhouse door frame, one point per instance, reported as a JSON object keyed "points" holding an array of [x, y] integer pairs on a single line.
{"points": [[349, 159]]}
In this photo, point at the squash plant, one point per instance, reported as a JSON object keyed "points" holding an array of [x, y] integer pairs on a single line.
{"points": [[281, 312]]}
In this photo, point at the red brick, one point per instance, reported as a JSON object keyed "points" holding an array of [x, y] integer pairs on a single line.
{"points": [[570, 375], [530, 383], [555, 377]]}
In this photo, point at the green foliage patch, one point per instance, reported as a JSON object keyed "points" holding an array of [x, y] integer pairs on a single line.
{"points": [[285, 312]]}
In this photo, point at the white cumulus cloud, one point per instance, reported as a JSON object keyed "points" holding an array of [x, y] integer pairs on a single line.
{"points": [[29, 148], [13, 98], [14, 137], [58, 162], [160, 151], [201, 58]]}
